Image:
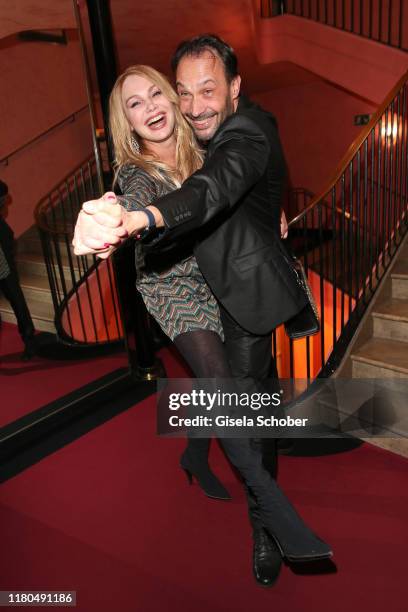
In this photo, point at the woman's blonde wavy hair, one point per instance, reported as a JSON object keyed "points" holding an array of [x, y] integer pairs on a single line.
{"points": [[189, 156]]}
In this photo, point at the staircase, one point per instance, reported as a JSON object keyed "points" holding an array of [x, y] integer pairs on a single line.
{"points": [[362, 282], [81, 306], [385, 353], [34, 283], [379, 352]]}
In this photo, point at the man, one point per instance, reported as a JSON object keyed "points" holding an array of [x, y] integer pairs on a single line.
{"points": [[9, 281], [236, 201]]}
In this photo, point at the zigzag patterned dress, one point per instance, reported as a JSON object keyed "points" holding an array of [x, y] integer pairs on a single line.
{"points": [[170, 282]]}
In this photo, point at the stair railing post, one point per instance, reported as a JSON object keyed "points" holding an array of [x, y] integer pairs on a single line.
{"points": [[138, 337]]}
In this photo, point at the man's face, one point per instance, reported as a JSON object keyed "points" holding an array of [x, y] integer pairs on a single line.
{"points": [[206, 97]]}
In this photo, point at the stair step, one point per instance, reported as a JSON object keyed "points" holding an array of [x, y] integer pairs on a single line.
{"points": [[33, 263], [400, 269], [29, 245], [399, 446], [381, 355], [34, 245], [399, 276], [37, 287], [396, 310], [391, 320], [42, 313], [372, 403]]}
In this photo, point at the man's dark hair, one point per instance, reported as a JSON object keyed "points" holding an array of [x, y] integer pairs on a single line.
{"points": [[208, 42], [3, 189]]}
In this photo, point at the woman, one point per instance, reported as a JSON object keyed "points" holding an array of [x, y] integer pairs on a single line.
{"points": [[155, 152]]}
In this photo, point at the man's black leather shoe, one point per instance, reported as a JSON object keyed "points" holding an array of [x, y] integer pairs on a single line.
{"points": [[267, 559]]}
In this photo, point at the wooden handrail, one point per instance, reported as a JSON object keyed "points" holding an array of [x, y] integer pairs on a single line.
{"points": [[353, 148], [69, 119], [311, 195]]}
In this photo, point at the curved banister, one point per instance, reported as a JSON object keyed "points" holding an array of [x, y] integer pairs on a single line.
{"points": [[353, 148], [362, 19], [348, 235], [307, 194], [44, 203], [82, 287]]}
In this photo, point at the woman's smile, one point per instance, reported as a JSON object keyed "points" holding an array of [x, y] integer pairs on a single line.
{"points": [[157, 122]]}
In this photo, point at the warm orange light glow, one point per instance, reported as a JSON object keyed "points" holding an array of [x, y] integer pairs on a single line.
{"points": [[390, 126], [79, 310], [87, 324], [315, 343]]}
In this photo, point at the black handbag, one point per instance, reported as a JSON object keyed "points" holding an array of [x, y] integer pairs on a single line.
{"points": [[306, 322]]}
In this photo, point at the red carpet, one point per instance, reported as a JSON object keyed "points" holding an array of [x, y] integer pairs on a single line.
{"points": [[26, 386], [112, 517]]}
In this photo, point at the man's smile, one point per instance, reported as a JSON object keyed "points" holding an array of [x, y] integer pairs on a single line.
{"points": [[202, 122]]}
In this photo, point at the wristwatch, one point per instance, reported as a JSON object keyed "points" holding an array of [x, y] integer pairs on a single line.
{"points": [[151, 219], [151, 223]]}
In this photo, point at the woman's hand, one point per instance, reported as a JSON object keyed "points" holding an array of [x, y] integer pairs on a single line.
{"points": [[100, 227]]}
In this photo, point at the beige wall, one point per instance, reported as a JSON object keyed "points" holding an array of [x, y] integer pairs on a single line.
{"points": [[42, 85], [316, 126], [38, 168], [35, 14]]}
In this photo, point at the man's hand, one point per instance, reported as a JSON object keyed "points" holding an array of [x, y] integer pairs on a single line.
{"points": [[283, 225], [103, 224], [100, 228], [133, 221]]}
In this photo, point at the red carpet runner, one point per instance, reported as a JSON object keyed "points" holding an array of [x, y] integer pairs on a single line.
{"points": [[112, 517], [27, 385]]}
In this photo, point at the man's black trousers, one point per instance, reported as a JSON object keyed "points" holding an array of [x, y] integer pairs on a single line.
{"points": [[254, 370]]}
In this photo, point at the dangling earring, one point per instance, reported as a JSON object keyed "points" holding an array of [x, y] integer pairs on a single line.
{"points": [[134, 144]]}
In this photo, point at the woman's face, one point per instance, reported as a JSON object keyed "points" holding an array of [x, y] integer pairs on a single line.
{"points": [[149, 112]]}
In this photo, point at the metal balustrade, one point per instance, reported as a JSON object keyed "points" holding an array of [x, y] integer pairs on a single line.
{"points": [[385, 22], [348, 235], [83, 288]]}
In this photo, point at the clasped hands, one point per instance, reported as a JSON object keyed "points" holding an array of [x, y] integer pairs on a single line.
{"points": [[103, 224]]}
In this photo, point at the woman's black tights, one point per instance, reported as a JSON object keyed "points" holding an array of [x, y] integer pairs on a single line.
{"points": [[204, 352]]}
